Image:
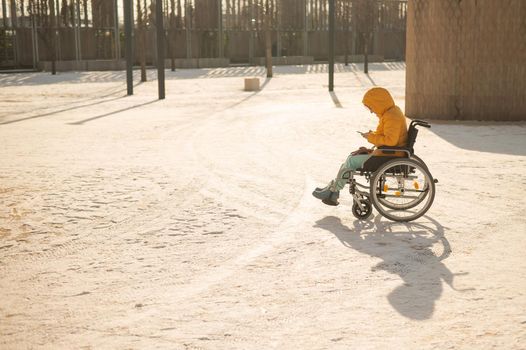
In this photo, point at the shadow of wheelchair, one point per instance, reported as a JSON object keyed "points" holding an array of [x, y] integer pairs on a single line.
{"points": [[414, 251]]}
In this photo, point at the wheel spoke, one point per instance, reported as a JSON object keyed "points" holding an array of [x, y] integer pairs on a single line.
{"points": [[402, 189]]}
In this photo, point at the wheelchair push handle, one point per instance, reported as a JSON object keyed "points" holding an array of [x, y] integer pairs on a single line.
{"points": [[418, 122]]}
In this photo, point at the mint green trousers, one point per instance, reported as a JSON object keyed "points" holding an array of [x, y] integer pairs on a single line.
{"points": [[352, 163]]}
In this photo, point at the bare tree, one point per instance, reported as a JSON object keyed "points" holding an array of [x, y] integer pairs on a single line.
{"points": [[172, 24], [71, 9], [268, 40], [85, 10], [22, 8], [64, 13], [44, 13], [205, 16], [346, 21], [179, 23], [141, 19], [364, 20], [52, 37]]}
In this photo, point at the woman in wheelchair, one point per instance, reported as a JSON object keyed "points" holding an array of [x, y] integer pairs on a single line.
{"points": [[400, 181]]}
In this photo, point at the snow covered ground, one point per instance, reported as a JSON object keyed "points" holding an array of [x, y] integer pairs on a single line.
{"points": [[188, 223]]}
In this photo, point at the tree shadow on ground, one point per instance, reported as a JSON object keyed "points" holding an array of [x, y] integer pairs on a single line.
{"points": [[101, 98], [491, 137], [414, 251], [244, 99], [37, 78], [62, 110], [317, 68], [104, 115], [335, 99]]}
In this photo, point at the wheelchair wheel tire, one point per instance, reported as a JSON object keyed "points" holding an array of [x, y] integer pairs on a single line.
{"points": [[418, 159], [381, 200], [362, 211]]}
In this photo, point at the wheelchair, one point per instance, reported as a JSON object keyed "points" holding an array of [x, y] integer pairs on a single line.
{"points": [[401, 188]]}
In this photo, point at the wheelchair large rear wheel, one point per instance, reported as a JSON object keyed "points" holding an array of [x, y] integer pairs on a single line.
{"points": [[402, 189], [418, 159], [410, 203]]}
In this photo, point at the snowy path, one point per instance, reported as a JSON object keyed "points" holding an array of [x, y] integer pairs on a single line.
{"points": [[127, 222]]}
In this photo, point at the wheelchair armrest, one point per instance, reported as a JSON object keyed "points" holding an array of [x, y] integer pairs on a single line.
{"points": [[393, 149], [396, 148]]}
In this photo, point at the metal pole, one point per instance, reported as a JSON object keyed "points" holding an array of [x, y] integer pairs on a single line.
{"points": [[346, 21], [58, 30], [251, 37], [79, 25], [278, 30], [116, 29], [331, 45], [160, 48], [4, 13], [366, 54], [268, 40], [34, 37], [53, 27], [188, 21], [14, 26], [220, 21], [76, 29], [353, 43], [128, 30], [305, 30], [4, 19]]}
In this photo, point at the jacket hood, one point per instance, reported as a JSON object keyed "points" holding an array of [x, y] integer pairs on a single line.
{"points": [[379, 100]]}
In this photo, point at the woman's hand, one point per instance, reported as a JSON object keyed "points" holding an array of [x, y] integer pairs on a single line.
{"points": [[365, 135]]}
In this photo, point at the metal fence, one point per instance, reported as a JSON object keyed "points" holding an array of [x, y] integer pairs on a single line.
{"points": [[74, 30]]}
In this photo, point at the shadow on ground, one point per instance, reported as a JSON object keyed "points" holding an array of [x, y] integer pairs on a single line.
{"points": [[24, 79], [492, 137], [104, 115], [59, 111], [414, 251], [104, 97], [113, 112]]}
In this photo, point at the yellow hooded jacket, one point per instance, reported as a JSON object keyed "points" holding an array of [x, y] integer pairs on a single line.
{"points": [[392, 128]]}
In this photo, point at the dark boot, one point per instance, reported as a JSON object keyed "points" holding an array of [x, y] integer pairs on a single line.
{"points": [[326, 195], [333, 199], [322, 193]]}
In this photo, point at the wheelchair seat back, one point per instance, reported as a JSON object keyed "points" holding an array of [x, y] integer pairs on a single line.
{"points": [[413, 132], [373, 163], [411, 138]]}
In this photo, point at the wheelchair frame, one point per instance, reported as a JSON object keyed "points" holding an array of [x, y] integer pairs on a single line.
{"points": [[377, 168]]}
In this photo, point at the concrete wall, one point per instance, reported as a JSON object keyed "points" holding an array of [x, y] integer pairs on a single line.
{"points": [[359, 58], [87, 65], [466, 59], [285, 60], [197, 62], [104, 65]]}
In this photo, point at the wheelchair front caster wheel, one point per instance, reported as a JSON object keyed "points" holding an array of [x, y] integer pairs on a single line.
{"points": [[362, 211]]}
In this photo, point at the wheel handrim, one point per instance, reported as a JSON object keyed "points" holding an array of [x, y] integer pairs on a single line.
{"points": [[398, 201]]}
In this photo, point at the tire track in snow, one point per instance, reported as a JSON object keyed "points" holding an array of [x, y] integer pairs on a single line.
{"points": [[224, 185], [282, 234]]}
